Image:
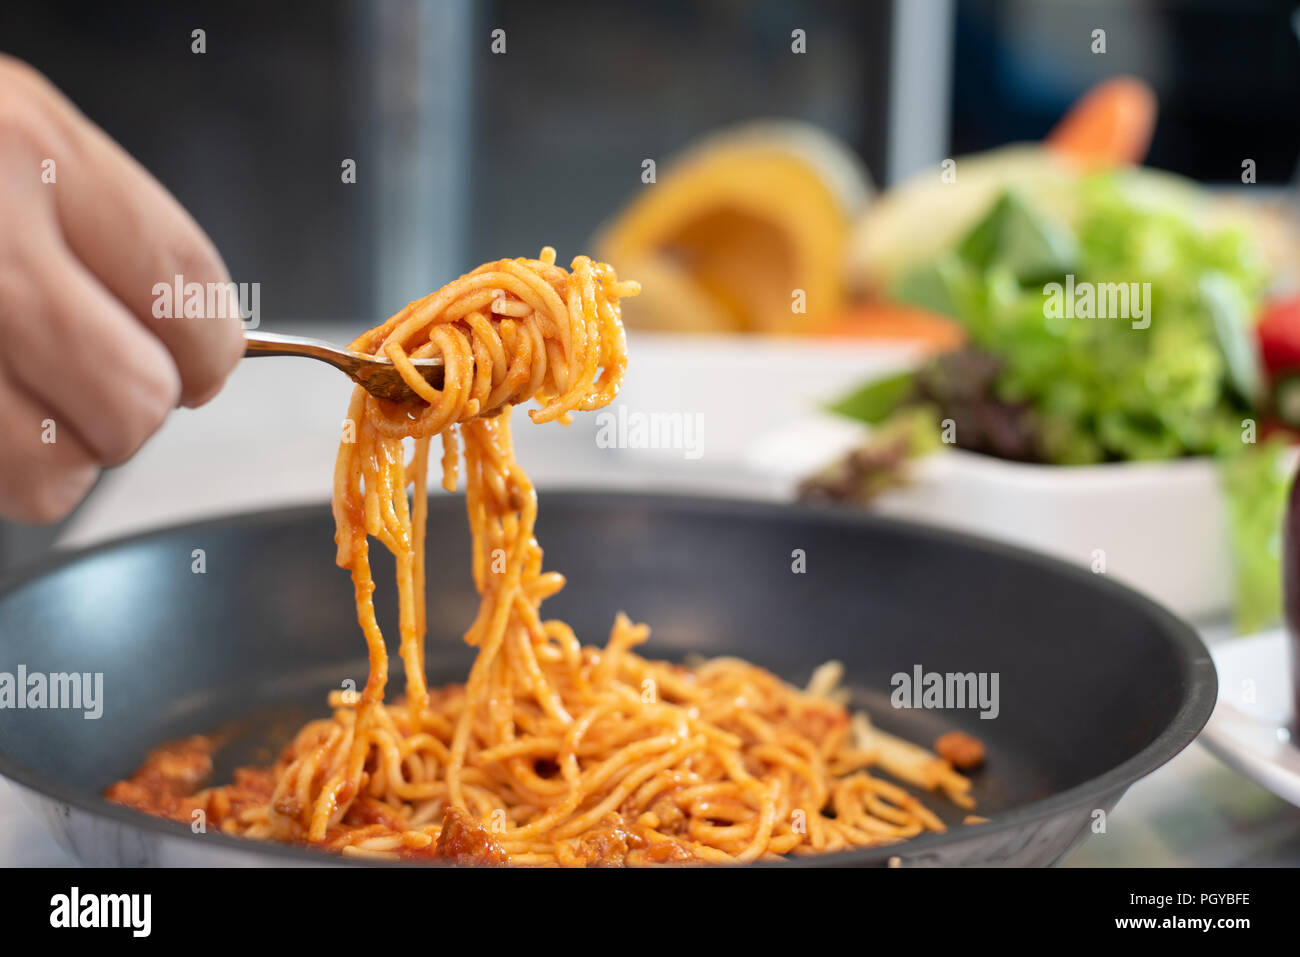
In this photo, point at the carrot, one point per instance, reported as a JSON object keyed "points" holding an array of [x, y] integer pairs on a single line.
{"points": [[1110, 125], [892, 321]]}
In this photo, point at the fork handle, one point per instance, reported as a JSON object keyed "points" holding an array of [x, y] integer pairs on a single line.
{"points": [[275, 344]]}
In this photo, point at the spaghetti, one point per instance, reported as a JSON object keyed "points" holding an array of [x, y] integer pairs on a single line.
{"points": [[552, 752]]}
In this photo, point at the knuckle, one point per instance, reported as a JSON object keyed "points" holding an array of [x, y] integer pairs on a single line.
{"points": [[116, 445], [220, 353], [163, 389], [25, 104], [14, 69], [192, 255], [21, 123], [152, 402], [150, 422], [37, 319], [19, 296], [20, 78], [159, 402]]}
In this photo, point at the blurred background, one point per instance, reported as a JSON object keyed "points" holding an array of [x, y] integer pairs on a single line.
{"points": [[845, 215], [465, 154], [482, 129]]}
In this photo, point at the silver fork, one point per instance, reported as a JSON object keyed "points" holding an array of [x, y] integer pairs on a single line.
{"points": [[378, 376]]}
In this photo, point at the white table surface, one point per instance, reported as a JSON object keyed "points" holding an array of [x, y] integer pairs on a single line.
{"points": [[269, 439]]}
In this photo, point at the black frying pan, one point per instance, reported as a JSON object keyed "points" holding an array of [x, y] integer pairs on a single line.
{"points": [[1098, 686]]}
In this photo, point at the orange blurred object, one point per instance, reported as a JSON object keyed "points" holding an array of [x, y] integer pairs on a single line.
{"points": [[889, 320], [1110, 125]]}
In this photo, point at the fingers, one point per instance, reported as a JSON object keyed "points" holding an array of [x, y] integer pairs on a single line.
{"points": [[133, 235], [88, 372], [83, 357], [46, 470]]}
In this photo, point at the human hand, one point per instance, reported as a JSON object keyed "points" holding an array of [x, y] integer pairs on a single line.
{"points": [[87, 371]]}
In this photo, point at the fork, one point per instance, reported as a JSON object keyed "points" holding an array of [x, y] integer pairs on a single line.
{"points": [[376, 374]]}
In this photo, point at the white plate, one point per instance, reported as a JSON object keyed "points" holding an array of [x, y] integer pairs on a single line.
{"points": [[1249, 728], [744, 386]]}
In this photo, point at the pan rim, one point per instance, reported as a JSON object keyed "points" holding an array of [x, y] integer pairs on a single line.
{"points": [[1198, 693]]}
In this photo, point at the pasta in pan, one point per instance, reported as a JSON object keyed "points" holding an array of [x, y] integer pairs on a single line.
{"points": [[551, 752]]}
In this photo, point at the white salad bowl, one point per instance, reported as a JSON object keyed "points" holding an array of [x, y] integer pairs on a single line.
{"points": [[1161, 527]]}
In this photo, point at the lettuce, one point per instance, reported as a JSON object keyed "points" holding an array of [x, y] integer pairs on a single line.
{"points": [[1118, 389], [1255, 480]]}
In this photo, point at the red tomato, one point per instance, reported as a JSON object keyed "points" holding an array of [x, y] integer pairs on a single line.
{"points": [[1279, 335]]}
